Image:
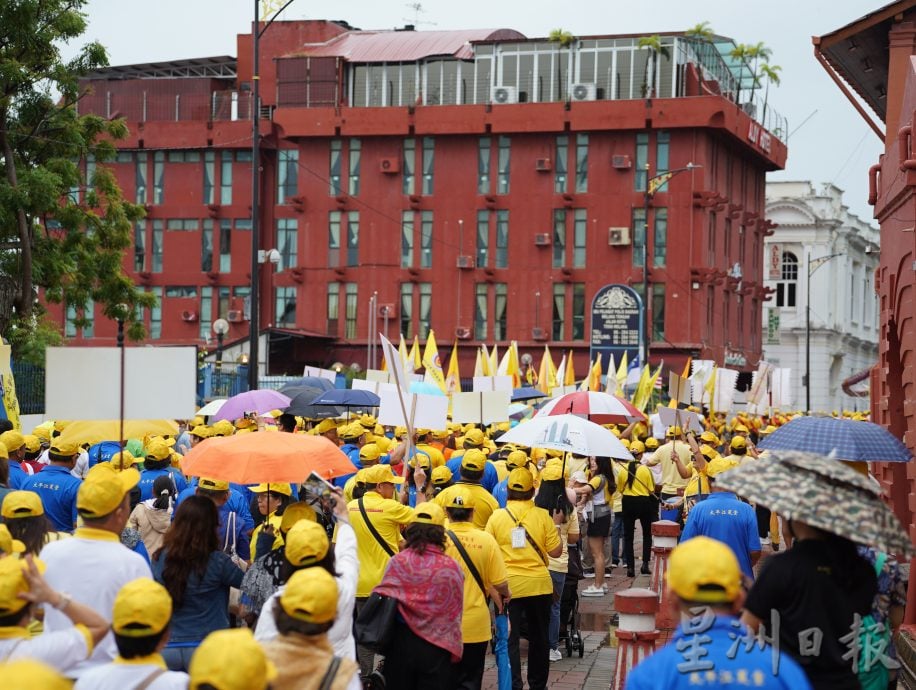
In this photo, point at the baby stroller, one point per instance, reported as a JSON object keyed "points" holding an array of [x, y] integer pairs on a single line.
{"points": [[569, 604]]}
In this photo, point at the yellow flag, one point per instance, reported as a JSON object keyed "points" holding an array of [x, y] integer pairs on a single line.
{"points": [[453, 380], [485, 361], [594, 377], [478, 364], [508, 365], [547, 373], [432, 363], [402, 352], [8, 387], [641, 395], [684, 375], [493, 364], [622, 373], [415, 353], [570, 375], [710, 388]]}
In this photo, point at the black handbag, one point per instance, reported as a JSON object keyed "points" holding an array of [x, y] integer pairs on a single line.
{"points": [[375, 623]]}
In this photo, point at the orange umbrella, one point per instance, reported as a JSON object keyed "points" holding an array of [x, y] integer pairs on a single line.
{"points": [[262, 457]]}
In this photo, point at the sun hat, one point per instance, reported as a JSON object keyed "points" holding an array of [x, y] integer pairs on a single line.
{"points": [[306, 543], [103, 490], [310, 595], [20, 504], [231, 660], [142, 608], [704, 570]]}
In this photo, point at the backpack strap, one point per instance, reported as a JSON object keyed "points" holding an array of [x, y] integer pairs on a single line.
{"points": [[468, 562], [150, 679], [330, 674], [374, 532]]}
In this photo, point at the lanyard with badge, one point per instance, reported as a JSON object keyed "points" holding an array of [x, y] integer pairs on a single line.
{"points": [[520, 537]]}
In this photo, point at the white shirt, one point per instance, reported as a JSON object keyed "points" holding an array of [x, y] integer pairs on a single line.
{"points": [[92, 570], [658, 428], [61, 650], [125, 675], [341, 633], [80, 468]]}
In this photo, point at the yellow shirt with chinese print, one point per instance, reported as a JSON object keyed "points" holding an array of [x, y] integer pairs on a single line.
{"points": [[526, 567], [387, 516]]}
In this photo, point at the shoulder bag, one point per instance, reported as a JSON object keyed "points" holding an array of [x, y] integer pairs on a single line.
{"points": [[374, 532], [375, 623], [330, 674], [468, 562]]}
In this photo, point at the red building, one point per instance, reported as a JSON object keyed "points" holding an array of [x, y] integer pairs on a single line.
{"points": [[483, 184]]}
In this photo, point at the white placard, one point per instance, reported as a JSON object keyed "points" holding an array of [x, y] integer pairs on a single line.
{"points": [[373, 386], [83, 382], [424, 411], [328, 374], [726, 379], [562, 390], [688, 421], [781, 392], [483, 407], [699, 377], [492, 383], [757, 397], [377, 375], [678, 388]]}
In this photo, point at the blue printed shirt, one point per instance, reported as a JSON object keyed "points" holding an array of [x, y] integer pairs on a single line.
{"points": [[57, 489], [721, 516], [147, 477], [490, 476]]}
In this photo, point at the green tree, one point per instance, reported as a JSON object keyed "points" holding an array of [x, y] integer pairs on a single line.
{"points": [[753, 56], [49, 239], [701, 31], [653, 44], [564, 39], [771, 74]]}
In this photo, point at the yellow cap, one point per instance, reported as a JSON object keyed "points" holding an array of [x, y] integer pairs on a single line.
{"points": [[42, 432], [421, 459], [367, 421], [103, 489], [718, 465], [213, 484], [740, 429], [295, 512], [306, 543], [709, 437], [351, 432], [768, 429], [370, 452], [381, 474], [325, 425], [122, 460], [201, 431], [461, 498], [13, 440], [157, 449], [473, 438], [441, 475], [520, 479], [223, 428], [429, 513], [440, 433], [651, 443], [552, 471], [274, 488], [142, 608], [637, 447], [20, 504], [27, 674], [32, 443], [384, 444], [8, 545], [625, 442], [708, 452], [517, 458], [13, 583], [738, 442], [58, 447], [310, 595], [673, 431], [231, 660], [704, 570], [474, 460]]}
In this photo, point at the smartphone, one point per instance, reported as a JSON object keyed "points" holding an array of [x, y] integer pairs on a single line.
{"points": [[318, 486]]}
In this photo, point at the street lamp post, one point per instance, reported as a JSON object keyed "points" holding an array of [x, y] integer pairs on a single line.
{"points": [[221, 328], [813, 265], [653, 184]]}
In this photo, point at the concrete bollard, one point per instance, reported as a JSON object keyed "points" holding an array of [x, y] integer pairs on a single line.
{"points": [[664, 539], [636, 631]]}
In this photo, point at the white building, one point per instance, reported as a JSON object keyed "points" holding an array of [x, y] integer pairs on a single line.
{"points": [[813, 225]]}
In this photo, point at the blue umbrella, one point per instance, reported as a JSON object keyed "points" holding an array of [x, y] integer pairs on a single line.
{"points": [[346, 397], [501, 650], [526, 393], [843, 439]]}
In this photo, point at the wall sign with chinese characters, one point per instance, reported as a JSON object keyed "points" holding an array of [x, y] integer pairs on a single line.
{"points": [[617, 323]]}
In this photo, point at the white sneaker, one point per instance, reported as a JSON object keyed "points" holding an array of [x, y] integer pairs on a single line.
{"points": [[765, 541], [592, 591], [555, 655]]}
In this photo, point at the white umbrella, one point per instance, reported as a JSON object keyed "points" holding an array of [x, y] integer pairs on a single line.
{"points": [[212, 407], [567, 433]]}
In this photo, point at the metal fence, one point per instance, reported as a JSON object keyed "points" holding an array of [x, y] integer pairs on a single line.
{"points": [[30, 387]]}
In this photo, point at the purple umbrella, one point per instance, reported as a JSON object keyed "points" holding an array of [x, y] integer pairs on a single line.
{"points": [[259, 401]]}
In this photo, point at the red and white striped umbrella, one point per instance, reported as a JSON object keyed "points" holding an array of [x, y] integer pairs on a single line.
{"points": [[597, 407]]}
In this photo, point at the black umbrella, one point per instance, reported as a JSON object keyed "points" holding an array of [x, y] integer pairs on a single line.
{"points": [[306, 382], [301, 405]]}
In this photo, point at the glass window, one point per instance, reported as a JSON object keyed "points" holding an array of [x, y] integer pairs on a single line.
{"points": [[660, 237], [223, 295], [426, 302], [559, 237], [480, 311], [727, 248], [505, 151], [206, 247], [483, 165], [287, 174], [429, 150], [580, 233], [225, 178], [658, 311], [410, 155], [334, 238], [333, 307], [89, 318], [483, 238], [581, 163], [426, 239], [560, 181], [407, 309], [502, 239], [140, 172], [353, 238], [155, 314], [287, 243], [206, 312], [786, 288], [209, 167], [500, 311], [157, 253], [662, 147], [351, 306], [70, 325], [406, 239], [578, 311], [642, 161], [639, 236], [353, 169], [90, 174], [181, 291], [285, 306], [225, 246], [559, 311], [140, 246], [334, 170], [183, 224], [158, 176]]}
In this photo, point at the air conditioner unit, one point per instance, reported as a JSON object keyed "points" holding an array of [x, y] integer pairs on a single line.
{"points": [[542, 239], [543, 165], [390, 166], [538, 333], [618, 237], [583, 92], [188, 315], [621, 161], [463, 333], [235, 316], [503, 94], [464, 261], [387, 310]]}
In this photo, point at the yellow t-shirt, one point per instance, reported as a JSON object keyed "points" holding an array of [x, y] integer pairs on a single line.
{"points": [[528, 575], [436, 458], [274, 521], [501, 470], [488, 559], [618, 468], [387, 516], [671, 478], [560, 564], [643, 484], [484, 503], [607, 491]]}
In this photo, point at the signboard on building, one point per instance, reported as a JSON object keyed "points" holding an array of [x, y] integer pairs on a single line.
{"points": [[774, 262], [617, 323], [773, 326]]}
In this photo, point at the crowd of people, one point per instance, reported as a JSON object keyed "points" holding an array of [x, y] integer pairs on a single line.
{"points": [[119, 571]]}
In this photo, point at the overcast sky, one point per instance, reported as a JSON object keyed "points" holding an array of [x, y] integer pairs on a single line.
{"points": [[834, 145]]}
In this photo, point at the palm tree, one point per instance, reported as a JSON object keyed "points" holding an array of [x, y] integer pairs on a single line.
{"points": [[654, 45], [702, 31], [771, 74], [702, 35], [752, 55], [564, 39]]}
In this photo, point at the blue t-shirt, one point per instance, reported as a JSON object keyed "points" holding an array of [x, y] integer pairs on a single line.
{"points": [[147, 477], [17, 475], [721, 516], [501, 492], [205, 605], [351, 450], [714, 653], [490, 476], [57, 489]]}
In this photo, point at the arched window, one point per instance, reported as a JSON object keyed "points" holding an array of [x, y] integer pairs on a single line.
{"points": [[788, 281]]}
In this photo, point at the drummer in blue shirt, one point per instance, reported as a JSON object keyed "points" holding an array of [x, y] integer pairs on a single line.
{"points": [[56, 487], [711, 647]]}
